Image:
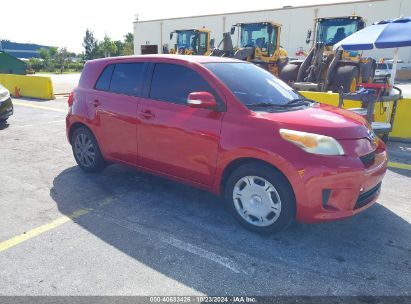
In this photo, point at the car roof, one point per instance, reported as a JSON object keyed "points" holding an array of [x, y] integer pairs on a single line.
{"points": [[93, 68], [182, 58]]}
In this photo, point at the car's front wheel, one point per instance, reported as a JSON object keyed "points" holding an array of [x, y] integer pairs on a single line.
{"points": [[86, 150], [260, 198]]}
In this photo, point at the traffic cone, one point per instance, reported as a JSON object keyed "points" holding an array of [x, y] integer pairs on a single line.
{"points": [[17, 92]]}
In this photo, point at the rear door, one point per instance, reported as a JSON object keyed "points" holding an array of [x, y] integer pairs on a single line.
{"points": [[174, 138], [114, 109]]}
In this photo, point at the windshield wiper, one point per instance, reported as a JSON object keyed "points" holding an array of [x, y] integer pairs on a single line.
{"points": [[299, 102], [263, 104]]}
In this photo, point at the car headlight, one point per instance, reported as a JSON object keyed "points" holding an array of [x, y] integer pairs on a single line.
{"points": [[4, 94], [313, 143]]}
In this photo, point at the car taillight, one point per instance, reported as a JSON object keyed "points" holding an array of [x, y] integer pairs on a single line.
{"points": [[70, 99]]}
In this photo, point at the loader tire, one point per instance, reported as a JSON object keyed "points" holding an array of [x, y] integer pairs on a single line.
{"points": [[289, 73], [346, 77]]}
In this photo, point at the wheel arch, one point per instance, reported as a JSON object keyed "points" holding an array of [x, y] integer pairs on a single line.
{"points": [[236, 163], [75, 126]]}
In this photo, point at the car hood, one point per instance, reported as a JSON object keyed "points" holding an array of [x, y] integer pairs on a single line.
{"points": [[322, 119]]}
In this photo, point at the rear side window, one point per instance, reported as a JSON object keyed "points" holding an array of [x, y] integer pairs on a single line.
{"points": [[173, 83], [103, 82], [127, 78]]}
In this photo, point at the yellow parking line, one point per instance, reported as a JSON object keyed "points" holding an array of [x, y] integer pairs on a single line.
{"points": [[30, 105], [399, 165], [54, 224], [39, 230]]}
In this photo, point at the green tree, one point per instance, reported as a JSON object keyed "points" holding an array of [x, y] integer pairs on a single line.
{"points": [[44, 54], [62, 59], [129, 38], [128, 46], [90, 46], [48, 54], [108, 46], [35, 64], [120, 47]]}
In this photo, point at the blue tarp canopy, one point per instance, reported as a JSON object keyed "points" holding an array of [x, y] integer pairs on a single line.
{"points": [[385, 34]]}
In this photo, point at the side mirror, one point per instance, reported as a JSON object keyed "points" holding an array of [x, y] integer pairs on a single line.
{"points": [[171, 35], [232, 30], [308, 39], [201, 100]]}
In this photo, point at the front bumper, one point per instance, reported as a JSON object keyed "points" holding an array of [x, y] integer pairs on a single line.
{"points": [[340, 190], [6, 109]]}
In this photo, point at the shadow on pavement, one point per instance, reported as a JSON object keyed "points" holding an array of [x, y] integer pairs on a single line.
{"points": [[404, 172], [366, 254]]}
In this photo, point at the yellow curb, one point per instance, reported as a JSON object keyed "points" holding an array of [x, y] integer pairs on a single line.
{"points": [[399, 165]]}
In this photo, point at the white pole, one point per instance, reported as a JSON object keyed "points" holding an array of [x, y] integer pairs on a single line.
{"points": [[394, 68]]}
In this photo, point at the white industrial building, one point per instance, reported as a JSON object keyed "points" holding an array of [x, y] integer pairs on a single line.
{"points": [[296, 21]]}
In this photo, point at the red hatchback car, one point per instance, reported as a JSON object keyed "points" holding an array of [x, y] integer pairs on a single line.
{"points": [[231, 128]]}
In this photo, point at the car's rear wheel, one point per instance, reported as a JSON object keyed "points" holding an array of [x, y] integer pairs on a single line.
{"points": [[260, 198], [86, 150]]}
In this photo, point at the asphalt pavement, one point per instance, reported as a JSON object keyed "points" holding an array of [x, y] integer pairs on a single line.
{"points": [[123, 232]]}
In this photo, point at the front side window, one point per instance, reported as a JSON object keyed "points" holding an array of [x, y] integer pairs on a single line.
{"points": [[173, 83], [127, 78], [252, 85]]}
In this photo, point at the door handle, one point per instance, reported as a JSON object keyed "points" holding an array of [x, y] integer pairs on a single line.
{"points": [[147, 114], [96, 102]]}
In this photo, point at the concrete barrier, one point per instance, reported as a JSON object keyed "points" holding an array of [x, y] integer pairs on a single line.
{"points": [[28, 86], [402, 123]]}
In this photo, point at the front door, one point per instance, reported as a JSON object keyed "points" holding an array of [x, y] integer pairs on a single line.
{"points": [[174, 138]]}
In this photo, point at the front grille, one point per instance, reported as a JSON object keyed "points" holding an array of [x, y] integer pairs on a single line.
{"points": [[368, 159], [366, 197]]}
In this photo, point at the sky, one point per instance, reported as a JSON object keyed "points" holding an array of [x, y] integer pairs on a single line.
{"points": [[63, 23]]}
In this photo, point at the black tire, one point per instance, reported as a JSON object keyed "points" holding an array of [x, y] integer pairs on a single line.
{"points": [[344, 77], [88, 164], [282, 187], [289, 73]]}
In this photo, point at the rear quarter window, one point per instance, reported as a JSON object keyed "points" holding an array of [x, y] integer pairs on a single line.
{"points": [[103, 82]]}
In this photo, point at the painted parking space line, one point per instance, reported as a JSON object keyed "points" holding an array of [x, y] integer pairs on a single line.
{"points": [[399, 165], [14, 241], [35, 106], [171, 240], [39, 124]]}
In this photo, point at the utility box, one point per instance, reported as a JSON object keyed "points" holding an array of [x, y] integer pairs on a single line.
{"points": [[11, 65]]}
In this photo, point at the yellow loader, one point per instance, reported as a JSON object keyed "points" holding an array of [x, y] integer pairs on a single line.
{"points": [[192, 42], [324, 69], [257, 42]]}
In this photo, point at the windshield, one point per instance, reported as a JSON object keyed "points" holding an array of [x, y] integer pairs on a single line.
{"points": [[253, 85], [332, 31], [381, 66], [186, 40], [257, 34]]}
